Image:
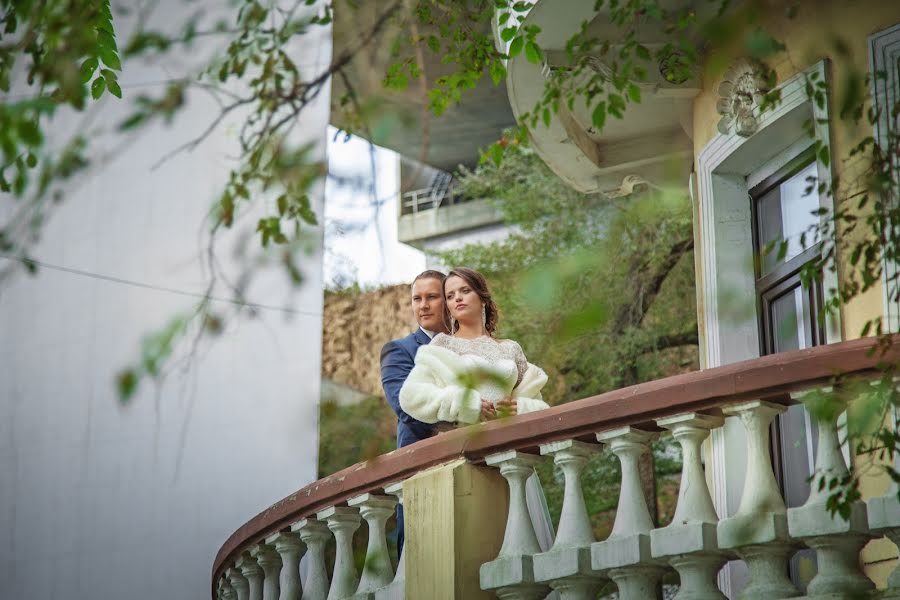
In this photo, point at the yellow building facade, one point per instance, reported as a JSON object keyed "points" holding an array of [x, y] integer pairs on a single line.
{"points": [[740, 164], [837, 36]]}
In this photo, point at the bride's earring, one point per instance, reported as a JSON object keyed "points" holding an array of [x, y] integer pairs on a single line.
{"points": [[483, 316]]}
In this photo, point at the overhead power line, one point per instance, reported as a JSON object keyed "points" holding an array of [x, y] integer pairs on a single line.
{"points": [[158, 288]]}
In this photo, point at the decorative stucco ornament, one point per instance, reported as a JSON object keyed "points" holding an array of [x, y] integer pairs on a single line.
{"points": [[740, 94], [630, 184]]}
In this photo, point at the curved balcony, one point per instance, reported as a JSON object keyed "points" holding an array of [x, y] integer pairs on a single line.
{"points": [[651, 139], [477, 465]]}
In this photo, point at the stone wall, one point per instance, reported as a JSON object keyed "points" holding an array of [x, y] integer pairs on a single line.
{"points": [[355, 327]]}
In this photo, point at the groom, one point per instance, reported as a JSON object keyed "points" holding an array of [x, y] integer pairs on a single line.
{"points": [[398, 356]]}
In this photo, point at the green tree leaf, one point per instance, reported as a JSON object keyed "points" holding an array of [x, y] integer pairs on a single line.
{"points": [[133, 121], [598, 117], [532, 52], [634, 92], [30, 133], [761, 44], [109, 57], [498, 72], [97, 87], [126, 384], [113, 86], [496, 153], [516, 47], [87, 69], [105, 39]]}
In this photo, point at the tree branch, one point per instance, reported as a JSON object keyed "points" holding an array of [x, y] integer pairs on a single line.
{"points": [[633, 314], [299, 97], [685, 338]]}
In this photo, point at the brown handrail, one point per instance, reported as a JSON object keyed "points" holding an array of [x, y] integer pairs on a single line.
{"points": [[771, 377]]}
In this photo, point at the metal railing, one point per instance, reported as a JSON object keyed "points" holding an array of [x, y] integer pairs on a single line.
{"points": [[439, 193], [416, 201]]}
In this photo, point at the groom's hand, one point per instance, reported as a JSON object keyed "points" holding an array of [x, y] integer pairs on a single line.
{"points": [[487, 410], [507, 407]]}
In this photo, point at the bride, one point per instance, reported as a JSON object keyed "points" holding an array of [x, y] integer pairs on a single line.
{"points": [[469, 375]]}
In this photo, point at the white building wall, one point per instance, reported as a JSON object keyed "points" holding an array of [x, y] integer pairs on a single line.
{"points": [[103, 501]]}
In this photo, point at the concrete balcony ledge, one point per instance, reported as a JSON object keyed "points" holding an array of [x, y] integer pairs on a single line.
{"points": [[433, 223]]}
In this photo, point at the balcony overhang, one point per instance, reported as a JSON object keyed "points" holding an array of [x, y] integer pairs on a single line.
{"points": [[652, 140], [401, 119]]}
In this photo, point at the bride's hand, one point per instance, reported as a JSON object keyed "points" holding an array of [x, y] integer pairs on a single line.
{"points": [[507, 407], [487, 410]]}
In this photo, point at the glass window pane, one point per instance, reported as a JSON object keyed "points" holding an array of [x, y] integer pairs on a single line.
{"points": [[792, 328], [791, 321], [785, 212]]}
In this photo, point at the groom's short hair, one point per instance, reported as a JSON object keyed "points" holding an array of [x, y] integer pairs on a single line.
{"points": [[430, 274]]}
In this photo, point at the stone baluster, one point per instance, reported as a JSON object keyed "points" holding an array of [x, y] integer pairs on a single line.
{"points": [[377, 572], [253, 573], [567, 565], [884, 514], [625, 554], [290, 548], [689, 542], [343, 521], [396, 589], [758, 532], [226, 592], [238, 583], [315, 535], [837, 541], [511, 574], [884, 519], [270, 563]]}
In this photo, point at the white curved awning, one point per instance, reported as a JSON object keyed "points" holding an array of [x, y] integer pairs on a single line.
{"points": [[652, 140]]}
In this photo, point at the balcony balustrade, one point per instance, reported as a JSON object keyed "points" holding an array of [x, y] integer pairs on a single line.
{"points": [[260, 561]]}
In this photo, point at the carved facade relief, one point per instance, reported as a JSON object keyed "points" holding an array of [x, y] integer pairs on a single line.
{"points": [[740, 95]]}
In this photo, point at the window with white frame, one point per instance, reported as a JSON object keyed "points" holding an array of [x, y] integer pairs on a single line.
{"points": [[754, 190], [884, 61]]}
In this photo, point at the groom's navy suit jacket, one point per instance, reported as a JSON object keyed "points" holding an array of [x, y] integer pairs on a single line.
{"points": [[397, 360]]}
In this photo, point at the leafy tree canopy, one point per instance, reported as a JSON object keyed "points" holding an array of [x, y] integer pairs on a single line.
{"points": [[599, 291], [70, 55]]}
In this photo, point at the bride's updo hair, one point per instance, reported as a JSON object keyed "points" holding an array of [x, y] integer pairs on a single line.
{"points": [[479, 285]]}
